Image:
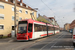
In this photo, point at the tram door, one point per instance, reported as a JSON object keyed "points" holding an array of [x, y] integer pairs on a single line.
{"points": [[30, 28]]}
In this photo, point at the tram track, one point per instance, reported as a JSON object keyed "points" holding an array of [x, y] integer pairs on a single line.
{"points": [[40, 41], [56, 42], [31, 43], [51, 42]]}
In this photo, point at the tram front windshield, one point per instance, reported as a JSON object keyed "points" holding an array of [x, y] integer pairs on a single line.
{"points": [[22, 27]]}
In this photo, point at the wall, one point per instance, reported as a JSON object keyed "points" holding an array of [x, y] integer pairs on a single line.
{"points": [[8, 13]]}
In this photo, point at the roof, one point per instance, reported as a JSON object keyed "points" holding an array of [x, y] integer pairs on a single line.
{"points": [[73, 21], [51, 17], [18, 4]]}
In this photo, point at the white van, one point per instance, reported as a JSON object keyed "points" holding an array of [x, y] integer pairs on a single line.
{"points": [[73, 36]]}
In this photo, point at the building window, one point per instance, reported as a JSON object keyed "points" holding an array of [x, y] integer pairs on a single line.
{"points": [[12, 17], [20, 18], [12, 8], [20, 11], [17, 20], [6, 0], [32, 13], [1, 27], [26, 12], [1, 6], [1, 16]]}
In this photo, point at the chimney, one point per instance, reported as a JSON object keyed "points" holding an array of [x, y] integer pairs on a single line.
{"points": [[13, 1], [21, 1]]}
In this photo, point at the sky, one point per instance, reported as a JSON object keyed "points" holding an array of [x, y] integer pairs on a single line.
{"points": [[63, 10]]}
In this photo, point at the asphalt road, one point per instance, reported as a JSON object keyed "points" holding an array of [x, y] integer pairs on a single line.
{"points": [[61, 41]]}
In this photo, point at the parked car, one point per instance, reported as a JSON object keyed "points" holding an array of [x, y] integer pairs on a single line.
{"points": [[71, 31], [73, 36]]}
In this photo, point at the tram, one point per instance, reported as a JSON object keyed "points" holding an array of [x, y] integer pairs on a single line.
{"points": [[29, 29]]}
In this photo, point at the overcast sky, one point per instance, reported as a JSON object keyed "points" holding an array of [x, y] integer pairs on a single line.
{"points": [[61, 9]]}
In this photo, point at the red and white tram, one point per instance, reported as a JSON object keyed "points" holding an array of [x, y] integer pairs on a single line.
{"points": [[30, 29]]}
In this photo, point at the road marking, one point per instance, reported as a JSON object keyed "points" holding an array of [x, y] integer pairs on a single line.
{"points": [[34, 43], [51, 41], [56, 42], [30, 43], [10, 40], [3, 43]]}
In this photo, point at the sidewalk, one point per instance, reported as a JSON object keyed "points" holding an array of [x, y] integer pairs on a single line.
{"points": [[7, 40]]}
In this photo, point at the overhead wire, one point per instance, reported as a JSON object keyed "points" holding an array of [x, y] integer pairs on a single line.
{"points": [[48, 7], [33, 8]]}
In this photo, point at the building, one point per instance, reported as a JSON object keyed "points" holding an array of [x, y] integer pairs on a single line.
{"points": [[43, 19], [67, 26], [53, 21], [61, 29], [72, 25], [50, 20], [7, 14]]}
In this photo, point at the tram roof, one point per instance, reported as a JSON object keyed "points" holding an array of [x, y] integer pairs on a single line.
{"points": [[33, 21]]}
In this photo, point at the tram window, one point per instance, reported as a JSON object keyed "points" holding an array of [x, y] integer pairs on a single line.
{"points": [[30, 28], [56, 28], [50, 28], [38, 27], [53, 28], [44, 28], [35, 28], [41, 27]]}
